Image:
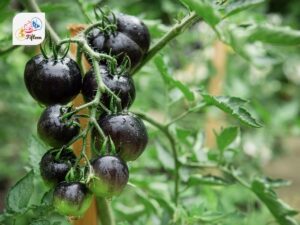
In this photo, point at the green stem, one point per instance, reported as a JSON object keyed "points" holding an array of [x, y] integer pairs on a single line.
{"points": [[78, 109], [184, 114], [105, 212], [176, 30], [9, 49], [174, 149]]}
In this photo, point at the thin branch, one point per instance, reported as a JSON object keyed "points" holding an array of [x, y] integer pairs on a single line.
{"points": [[9, 49], [176, 30], [186, 113]]}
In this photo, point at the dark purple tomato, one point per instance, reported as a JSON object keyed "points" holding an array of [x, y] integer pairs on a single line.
{"points": [[55, 164], [121, 85], [127, 132], [135, 29], [131, 39], [72, 199], [55, 131], [111, 176], [52, 81]]}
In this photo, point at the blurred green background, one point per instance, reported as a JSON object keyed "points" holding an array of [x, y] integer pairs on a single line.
{"points": [[272, 88]]}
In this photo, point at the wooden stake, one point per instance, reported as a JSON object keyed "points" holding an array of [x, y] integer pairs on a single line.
{"points": [[216, 88], [91, 217]]}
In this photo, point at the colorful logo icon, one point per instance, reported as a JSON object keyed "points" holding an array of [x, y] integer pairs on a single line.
{"points": [[28, 28]]}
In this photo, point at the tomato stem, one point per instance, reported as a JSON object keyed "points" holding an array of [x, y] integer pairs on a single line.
{"points": [[176, 30]]}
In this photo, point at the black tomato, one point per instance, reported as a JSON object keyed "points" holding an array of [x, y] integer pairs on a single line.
{"points": [[111, 176], [127, 132], [72, 199], [51, 81], [131, 38], [55, 164], [135, 29], [55, 131], [121, 85]]}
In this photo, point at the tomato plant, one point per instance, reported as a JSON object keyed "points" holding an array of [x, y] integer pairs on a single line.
{"points": [[165, 137]]}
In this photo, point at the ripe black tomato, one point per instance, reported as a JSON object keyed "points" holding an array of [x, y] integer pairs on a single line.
{"points": [[121, 85], [55, 164], [55, 131], [135, 29], [131, 38], [71, 199], [111, 176], [52, 81], [127, 132]]}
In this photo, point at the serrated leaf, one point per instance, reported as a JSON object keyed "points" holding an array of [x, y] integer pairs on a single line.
{"points": [[198, 179], [279, 209], [19, 195], [40, 222], [205, 9], [274, 35], [239, 6], [36, 151], [226, 137], [169, 80], [232, 106]]}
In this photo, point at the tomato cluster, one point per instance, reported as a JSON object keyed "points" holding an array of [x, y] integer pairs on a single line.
{"points": [[54, 82]]}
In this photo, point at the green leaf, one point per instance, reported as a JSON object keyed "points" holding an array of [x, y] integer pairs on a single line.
{"points": [[205, 9], [36, 151], [169, 80], [274, 35], [239, 6], [280, 210], [232, 106], [198, 179], [40, 222], [19, 195], [226, 137]]}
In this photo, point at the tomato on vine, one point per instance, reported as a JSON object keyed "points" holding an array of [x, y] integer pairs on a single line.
{"points": [[130, 38], [54, 130], [72, 198], [127, 132], [110, 176], [121, 85], [52, 80], [55, 165]]}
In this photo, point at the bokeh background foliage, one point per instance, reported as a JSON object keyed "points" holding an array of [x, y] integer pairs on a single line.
{"points": [[260, 64]]}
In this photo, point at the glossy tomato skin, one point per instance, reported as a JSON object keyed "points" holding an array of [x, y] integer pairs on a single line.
{"points": [[117, 44], [51, 81], [121, 85], [127, 132], [72, 198], [53, 130], [131, 38], [55, 165], [135, 29], [111, 176]]}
